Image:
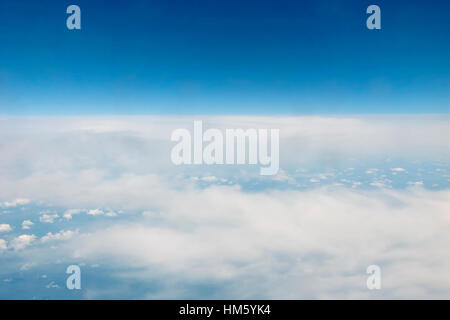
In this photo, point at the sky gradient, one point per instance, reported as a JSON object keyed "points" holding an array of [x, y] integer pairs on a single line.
{"points": [[87, 177], [224, 57]]}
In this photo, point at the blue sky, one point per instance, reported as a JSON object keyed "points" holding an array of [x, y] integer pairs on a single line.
{"points": [[224, 57], [86, 119]]}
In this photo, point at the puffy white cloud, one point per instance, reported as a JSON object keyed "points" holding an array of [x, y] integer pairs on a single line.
{"points": [[15, 203], [48, 217], [378, 184], [398, 170], [3, 245], [209, 179], [22, 241], [95, 212], [61, 235], [69, 213], [26, 224], [5, 227]]}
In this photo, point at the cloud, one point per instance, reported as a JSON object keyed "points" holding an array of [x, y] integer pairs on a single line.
{"points": [[284, 177], [415, 183], [15, 203], [5, 227], [62, 163], [3, 245], [26, 224], [48, 218], [322, 240], [244, 242], [61, 235], [69, 213], [378, 184], [27, 266], [52, 285], [95, 212], [209, 179], [22, 241]]}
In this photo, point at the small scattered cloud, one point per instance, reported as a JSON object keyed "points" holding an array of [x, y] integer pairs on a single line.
{"points": [[95, 212], [378, 184], [398, 170], [15, 203], [61, 235], [3, 245], [22, 241], [283, 176], [415, 183], [52, 285], [69, 213], [5, 227], [27, 266], [209, 179], [26, 224], [48, 217]]}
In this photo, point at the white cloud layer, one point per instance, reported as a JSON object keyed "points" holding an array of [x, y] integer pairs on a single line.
{"points": [[291, 244], [263, 244]]}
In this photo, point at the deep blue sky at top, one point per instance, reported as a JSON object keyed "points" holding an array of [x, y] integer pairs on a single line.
{"points": [[224, 57]]}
